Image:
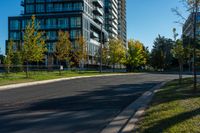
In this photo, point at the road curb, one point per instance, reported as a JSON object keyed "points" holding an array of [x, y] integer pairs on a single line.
{"points": [[14, 86], [126, 121]]}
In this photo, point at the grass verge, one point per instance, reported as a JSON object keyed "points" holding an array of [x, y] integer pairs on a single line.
{"points": [[14, 78], [174, 109]]}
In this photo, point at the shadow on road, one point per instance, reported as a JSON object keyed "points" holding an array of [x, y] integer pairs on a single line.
{"points": [[88, 112]]}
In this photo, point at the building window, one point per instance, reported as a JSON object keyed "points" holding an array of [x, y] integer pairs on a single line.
{"points": [[58, 7], [38, 1], [51, 47], [63, 23], [78, 6], [29, 8], [29, 1], [41, 23], [74, 34], [14, 24], [15, 35], [24, 23], [75, 22], [51, 23], [40, 8], [50, 8], [67, 6], [51, 35]]}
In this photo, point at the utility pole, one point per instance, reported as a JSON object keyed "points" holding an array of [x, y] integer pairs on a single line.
{"points": [[101, 49], [195, 11]]}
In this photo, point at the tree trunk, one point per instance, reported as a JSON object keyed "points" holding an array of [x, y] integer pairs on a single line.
{"points": [[82, 64], [8, 69], [26, 69], [60, 68], [189, 64], [38, 66], [180, 72]]}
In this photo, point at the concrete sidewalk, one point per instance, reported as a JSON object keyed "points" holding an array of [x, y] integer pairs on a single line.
{"points": [[126, 121]]}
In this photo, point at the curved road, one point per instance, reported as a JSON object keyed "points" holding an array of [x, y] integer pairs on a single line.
{"points": [[81, 105]]}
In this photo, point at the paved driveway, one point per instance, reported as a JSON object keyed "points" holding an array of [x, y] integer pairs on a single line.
{"points": [[81, 105]]}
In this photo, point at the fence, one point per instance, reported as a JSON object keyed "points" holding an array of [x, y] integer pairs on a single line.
{"points": [[23, 68]]}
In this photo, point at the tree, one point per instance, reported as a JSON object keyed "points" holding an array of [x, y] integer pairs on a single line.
{"points": [[63, 47], [193, 7], [116, 52], [161, 56], [136, 55], [17, 61], [80, 51], [105, 55], [34, 46], [179, 53], [9, 56]]}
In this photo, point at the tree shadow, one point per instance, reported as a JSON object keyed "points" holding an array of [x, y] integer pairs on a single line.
{"points": [[175, 92], [172, 93], [88, 112], [169, 122]]}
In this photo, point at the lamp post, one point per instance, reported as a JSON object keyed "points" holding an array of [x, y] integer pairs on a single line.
{"points": [[101, 46], [195, 11], [101, 49]]}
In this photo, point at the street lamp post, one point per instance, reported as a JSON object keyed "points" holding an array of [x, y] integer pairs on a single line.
{"points": [[101, 46], [101, 49], [195, 11]]}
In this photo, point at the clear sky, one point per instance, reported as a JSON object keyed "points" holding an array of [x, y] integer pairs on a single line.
{"points": [[145, 19]]}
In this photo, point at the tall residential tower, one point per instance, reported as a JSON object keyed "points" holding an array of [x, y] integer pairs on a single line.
{"points": [[95, 20], [115, 19]]}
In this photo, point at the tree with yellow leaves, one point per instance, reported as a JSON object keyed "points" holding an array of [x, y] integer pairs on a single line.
{"points": [[116, 52], [136, 55], [34, 47], [63, 47], [178, 52], [9, 55], [80, 51]]}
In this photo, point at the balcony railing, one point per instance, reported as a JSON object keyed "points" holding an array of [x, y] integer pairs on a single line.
{"points": [[98, 11], [94, 34], [98, 3], [98, 19]]}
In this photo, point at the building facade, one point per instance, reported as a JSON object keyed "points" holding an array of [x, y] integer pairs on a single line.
{"points": [[115, 19], [188, 27], [87, 18], [122, 31]]}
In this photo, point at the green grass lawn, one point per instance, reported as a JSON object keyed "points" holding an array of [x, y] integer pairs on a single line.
{"points": [[174, 109], [14, 78]]}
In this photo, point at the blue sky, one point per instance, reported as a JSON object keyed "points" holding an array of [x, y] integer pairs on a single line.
{"points": [[145, 19]]}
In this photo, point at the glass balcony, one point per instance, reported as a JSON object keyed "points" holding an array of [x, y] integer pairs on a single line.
{"points": [[94, 34], [98, 11], [98, 19], [98, 3]]}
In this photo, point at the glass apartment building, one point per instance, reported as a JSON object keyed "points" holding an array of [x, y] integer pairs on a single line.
{"points": [[115, 19], [88, 18], [188, 27], [122, 21], [77, 17]]}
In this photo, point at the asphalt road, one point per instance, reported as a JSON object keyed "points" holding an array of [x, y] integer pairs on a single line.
{"points": [[81, 105]]}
